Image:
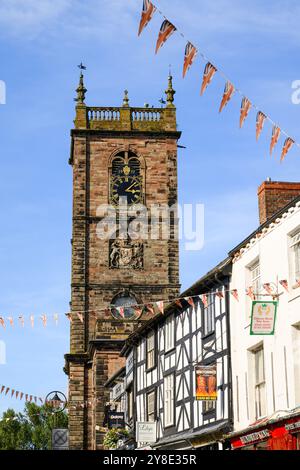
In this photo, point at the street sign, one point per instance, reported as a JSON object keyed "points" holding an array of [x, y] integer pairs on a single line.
{"points": [[60, 439]]}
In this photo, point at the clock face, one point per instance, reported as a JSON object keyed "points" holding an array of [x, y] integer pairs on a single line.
{"points": [[126, 186]]}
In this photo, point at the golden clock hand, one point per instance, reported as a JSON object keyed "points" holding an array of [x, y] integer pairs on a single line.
{"points": [[129, 190]]}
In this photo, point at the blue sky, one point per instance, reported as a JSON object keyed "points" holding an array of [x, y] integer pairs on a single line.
{"points": [[41, 42]]}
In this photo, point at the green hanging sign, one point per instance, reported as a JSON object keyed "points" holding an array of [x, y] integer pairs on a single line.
{"points": [[263, 317]]}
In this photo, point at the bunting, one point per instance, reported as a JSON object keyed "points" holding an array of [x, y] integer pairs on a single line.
{"points": [[235, 294], [190, 301], [260, 120], [160, 306], [250, 293], [147, 14], [245, 108], [284, 284], [2, 322], [189, 57], [209, 72], [228, 92], [267, 287], [274, 138], [204, 300], [288, 144], [220, 294], [166, 30]]}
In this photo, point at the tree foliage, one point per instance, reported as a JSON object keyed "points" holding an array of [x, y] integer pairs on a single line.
{"points": [[30, 430]]}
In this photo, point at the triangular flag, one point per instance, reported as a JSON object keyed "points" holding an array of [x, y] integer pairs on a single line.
{"points": [[80, 316], [267, 287], [209, 72], [260, 120], [178, 303], [11, 321], [21, 320], [288, 144], [189, 57], [21, 395], [147, 14], [7, 390], [235, 294], [150, 309], [137, 310], [190, 301], [274, 139], [204, 300], [2, 388], [41, 400], [26, 396], [12, 393], [69, 317], [250, 293], [160, 306], [17, 394], [32, 320], [44, 320], [219, 294], [245, 108], [298, 282], [55, 318], [2, 322], [284, 284], [166, 30], [30, 398], [228, 92]]}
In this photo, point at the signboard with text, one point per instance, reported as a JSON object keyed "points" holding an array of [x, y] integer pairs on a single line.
{"points": [[116, 420], [146, 431], [263, 318], [206, 382]]}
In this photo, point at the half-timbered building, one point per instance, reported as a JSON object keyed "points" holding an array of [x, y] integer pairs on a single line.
{"points": [[165, 353]]}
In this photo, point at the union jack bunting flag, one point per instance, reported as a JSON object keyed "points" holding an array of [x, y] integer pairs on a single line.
{"points": [[245, 108], [165, 32], [275, 137], [284, 284], [204, 300], [209, 72], [235, 294], [288, 144], [189, 57], [160, 306], [228, 92], [260, 120], [147, 14]]}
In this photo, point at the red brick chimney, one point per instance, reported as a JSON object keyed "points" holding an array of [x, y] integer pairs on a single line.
{"points": [[273, 196]]}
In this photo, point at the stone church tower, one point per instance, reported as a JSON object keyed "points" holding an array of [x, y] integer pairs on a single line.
{"points": [[117, 154]]}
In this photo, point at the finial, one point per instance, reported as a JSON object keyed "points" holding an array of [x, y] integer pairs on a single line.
{"points": [[170, 92], [125, 99], [81, 90]]}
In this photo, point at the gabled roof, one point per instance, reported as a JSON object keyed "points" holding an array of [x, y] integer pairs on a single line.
{"points": [[209, 280]]}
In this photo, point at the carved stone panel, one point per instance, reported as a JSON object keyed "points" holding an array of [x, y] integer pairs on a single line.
{"points": [[126, 254]]}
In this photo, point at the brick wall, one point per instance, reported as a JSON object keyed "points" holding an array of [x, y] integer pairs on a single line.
{"points": [[273, 196]]}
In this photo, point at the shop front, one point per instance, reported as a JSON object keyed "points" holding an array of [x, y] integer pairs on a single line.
{"points": [[270, 434]]}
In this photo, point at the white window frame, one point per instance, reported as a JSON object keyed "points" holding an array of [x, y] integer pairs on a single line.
{"points": [[294, 246], [151, 406], [169, 333], [255, 277], [259, 383], [151, 350], [209, 315], [169, 381]]}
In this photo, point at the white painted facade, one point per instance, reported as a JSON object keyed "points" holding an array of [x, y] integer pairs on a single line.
{"points": [[268, 258]]}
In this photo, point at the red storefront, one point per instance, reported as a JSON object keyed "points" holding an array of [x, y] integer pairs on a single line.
{"points": [[269, 434]]}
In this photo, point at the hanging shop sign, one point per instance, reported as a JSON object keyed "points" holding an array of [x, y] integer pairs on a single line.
{"points": [[117, 391], [116, 420], [263, 318], [206, 382], [146, 431]]}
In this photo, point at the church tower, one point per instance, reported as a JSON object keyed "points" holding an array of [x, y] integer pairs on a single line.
{"points": [[124, 162]]}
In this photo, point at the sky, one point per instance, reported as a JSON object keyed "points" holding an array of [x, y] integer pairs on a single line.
{"points": [[41, 42]]}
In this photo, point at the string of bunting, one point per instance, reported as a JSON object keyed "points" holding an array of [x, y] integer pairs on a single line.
{"points": [[148, 308], [166, 30]]}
